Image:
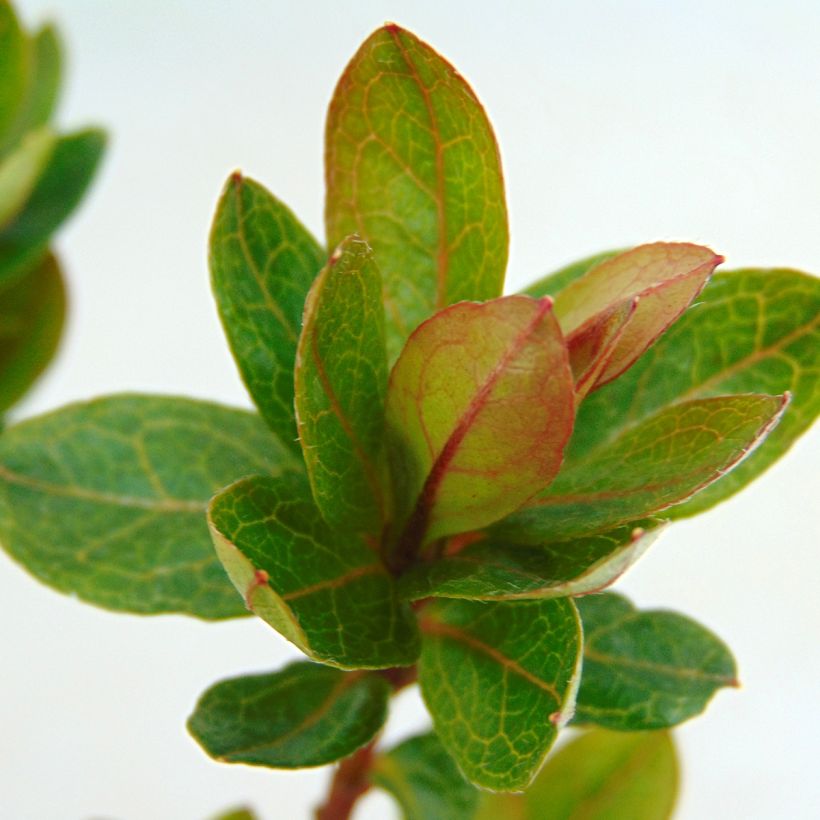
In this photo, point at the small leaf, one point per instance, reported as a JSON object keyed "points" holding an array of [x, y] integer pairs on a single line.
{"points": [[608, 776], [425, 780], [646, 670], [499, 679], [263, 262], [15, 65], [59, 190], [656, 283], [553, 283], [479, 408], [412, 166], [662, 461], [341, 382], [32, 312], [106, 499], [752, 330], [20, 170], [492, 571], [327, 593], [43, 85], [304, 715]]}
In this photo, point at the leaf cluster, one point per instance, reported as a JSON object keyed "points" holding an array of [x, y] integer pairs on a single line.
{"points": [[439, 476], [43, 176]]}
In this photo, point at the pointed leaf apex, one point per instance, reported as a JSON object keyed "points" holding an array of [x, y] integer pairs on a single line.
{"points": [[393, 28], [237, 178]]}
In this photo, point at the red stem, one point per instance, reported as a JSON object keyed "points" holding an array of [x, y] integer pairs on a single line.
{"points": [[349, 783]]}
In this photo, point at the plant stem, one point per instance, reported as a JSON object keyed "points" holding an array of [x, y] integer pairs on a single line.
{"points": [[349, 783]]}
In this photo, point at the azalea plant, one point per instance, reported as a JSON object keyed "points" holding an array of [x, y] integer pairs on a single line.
{"points": [[440, 480], [43, 176]]}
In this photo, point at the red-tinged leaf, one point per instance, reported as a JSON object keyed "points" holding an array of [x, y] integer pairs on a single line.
{"points": [[412, 166], [661, 462], [592, 346], [663, 278], [479, 408]]}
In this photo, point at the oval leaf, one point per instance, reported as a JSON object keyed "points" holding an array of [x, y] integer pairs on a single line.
{"points": [[660, 279], [425, 780], [772, 318], [646, 670], [492, 571], [304, 715], [59, 190], [20, 170], [341, 382], [263, 262], [499, 679], [106, 499], [608, 776], [328, 594], [661, 462], [32, 312], [479, 408], [412, 166]]}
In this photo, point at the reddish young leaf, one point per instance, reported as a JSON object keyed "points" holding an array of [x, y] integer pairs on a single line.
{"points": [[654, 284], [479, 408]]}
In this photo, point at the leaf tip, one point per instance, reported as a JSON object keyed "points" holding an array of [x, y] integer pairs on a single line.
{"points": [[236, 178], [392, 28]]}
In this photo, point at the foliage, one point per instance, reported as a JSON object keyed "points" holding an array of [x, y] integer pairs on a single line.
{"points": [[439, 476], [43, 176]]}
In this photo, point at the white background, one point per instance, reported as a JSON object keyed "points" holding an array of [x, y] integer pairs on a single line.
{"points": [[619, 123]]}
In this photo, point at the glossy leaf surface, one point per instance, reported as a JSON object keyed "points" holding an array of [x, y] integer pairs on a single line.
{"points": [[106, 499], [263, 262], [341, 383], [752, 330], [608, 776], [660, 280], [412, 166], [646, 670], [479, 408], [304, 715], [493, 571], [326, 592], [59, 190], [499, 679], [32, 312], [660, 462], [553, 283], [425, 780]]}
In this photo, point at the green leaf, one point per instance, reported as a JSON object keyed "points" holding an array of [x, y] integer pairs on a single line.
{"points": [[327, 593], [58, 192], [660, 462], [608, 776], [237, 814], [499, 679], [44, 82], [32, 312], [106, 499], [646, 670], [493, 571], [304, 715], [263, 262], [425, 780], [752, 331], [14, 66], [553, 283], [20, 170], [661, 280], [479, 408], [341, 382], [412, 166]]}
